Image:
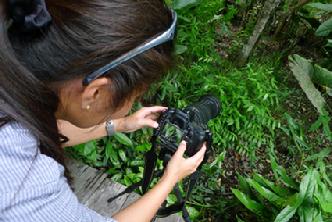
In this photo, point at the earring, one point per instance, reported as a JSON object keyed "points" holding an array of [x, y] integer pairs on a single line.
{"points": [[87, 107]]}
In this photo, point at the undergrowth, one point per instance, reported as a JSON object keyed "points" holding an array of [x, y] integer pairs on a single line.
{"points": [[252, 119]]}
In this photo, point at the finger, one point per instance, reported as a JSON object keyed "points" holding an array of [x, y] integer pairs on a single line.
{"points": [[200, 154], [181, 149], [200, 160], [153, 116], [150, 123], [154, 109]]}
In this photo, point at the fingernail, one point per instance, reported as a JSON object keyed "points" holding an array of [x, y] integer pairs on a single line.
{"points": [[155, 125], [183, 142]]}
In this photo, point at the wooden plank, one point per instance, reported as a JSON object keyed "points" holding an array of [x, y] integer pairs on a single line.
{"points": [[93, 189]]}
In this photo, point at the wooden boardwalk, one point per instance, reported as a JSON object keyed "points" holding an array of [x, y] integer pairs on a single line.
{"points": [[93, 189]]}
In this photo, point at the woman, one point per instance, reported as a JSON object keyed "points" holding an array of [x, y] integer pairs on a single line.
{"points": [[61, 42]]}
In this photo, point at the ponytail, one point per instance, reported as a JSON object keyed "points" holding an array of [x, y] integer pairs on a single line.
{"points": [[24, 99]]}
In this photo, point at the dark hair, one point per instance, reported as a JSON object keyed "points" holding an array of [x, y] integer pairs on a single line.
{"points": [[87, 34], [83, 36], [23, 98]]}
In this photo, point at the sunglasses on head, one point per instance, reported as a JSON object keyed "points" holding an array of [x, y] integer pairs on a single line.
{"points": [[166, 36]]}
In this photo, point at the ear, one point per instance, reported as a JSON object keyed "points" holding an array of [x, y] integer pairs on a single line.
{"points": [[91, 92]]}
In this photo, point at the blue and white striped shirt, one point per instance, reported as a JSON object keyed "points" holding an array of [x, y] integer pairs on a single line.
{"points": [[32, 185]]}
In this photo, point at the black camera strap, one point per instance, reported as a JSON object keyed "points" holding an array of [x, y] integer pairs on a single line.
{"points": [[149, 173], [181, 204], [150, 164]]}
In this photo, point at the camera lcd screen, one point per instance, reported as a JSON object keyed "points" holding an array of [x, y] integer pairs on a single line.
{"points": [[172, 133]]}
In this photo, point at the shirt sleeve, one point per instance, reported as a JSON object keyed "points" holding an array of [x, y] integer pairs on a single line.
{"points": [[32, 185]]}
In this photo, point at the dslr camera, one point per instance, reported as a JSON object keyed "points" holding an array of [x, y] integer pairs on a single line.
{"points": [[175, 125], [189, 124]]}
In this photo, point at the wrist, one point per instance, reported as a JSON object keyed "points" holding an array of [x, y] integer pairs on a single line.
{"points": [[171, 180], [118, 125]]}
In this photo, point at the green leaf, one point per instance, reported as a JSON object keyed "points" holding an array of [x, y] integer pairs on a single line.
{"points": [[326, 207], [309, 213], [315, 126], [329, 43], [306, 213], [324, 197], [80, 148], [143, 147], [180, 49], [90, 151], [252, 205], [326, 193], [127, 181], [288, 212], [137, 163], [112, 154], [281, 172], [323, 7], [178, 4], [323, 120], [308, 185], [302, 70], [108, 150], [194, 214], [218, 161], [266, 193], [278, 189], [318, 216], [123, 139], [325, 28], [321, 155], [243, 185], [122, 155], [89, 147], [322, 170], [117, 177], [322, 76]]}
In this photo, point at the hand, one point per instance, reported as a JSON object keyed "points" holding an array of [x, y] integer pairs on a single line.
{"points": [[179, 167], [145, 117]]}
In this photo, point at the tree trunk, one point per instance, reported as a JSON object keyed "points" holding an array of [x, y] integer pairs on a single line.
{"points": [[267, 11]]}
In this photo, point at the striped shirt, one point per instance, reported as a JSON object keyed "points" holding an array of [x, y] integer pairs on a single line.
{"points": [[32, 185]]}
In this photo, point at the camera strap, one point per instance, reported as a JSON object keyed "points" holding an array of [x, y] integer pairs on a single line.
{"points": [[150, 164], [149, 173], [181, 204]]}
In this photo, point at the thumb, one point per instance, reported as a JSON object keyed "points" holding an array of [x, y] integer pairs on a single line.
{"points": [[181, 149]]}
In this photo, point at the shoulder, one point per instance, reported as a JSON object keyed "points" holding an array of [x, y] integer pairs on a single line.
{"points": [[18, 148], [20, 156], [17, 140], [32, 185]]}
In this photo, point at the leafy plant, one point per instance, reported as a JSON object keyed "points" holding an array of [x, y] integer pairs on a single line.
{"points": [[326, 27], [295, 132], [178, 4], [305, 73], [120, 156], [302, 70], [252, 115], [310, 199]]}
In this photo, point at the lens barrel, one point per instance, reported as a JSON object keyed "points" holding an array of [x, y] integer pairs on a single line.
{"points": [[207, 108]]}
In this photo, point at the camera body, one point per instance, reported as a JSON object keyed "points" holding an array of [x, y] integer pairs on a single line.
{"points": [[189, 124], [175, 125]]}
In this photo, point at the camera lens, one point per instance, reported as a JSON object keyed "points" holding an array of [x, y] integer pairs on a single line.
{"points": [[207, 108]]}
